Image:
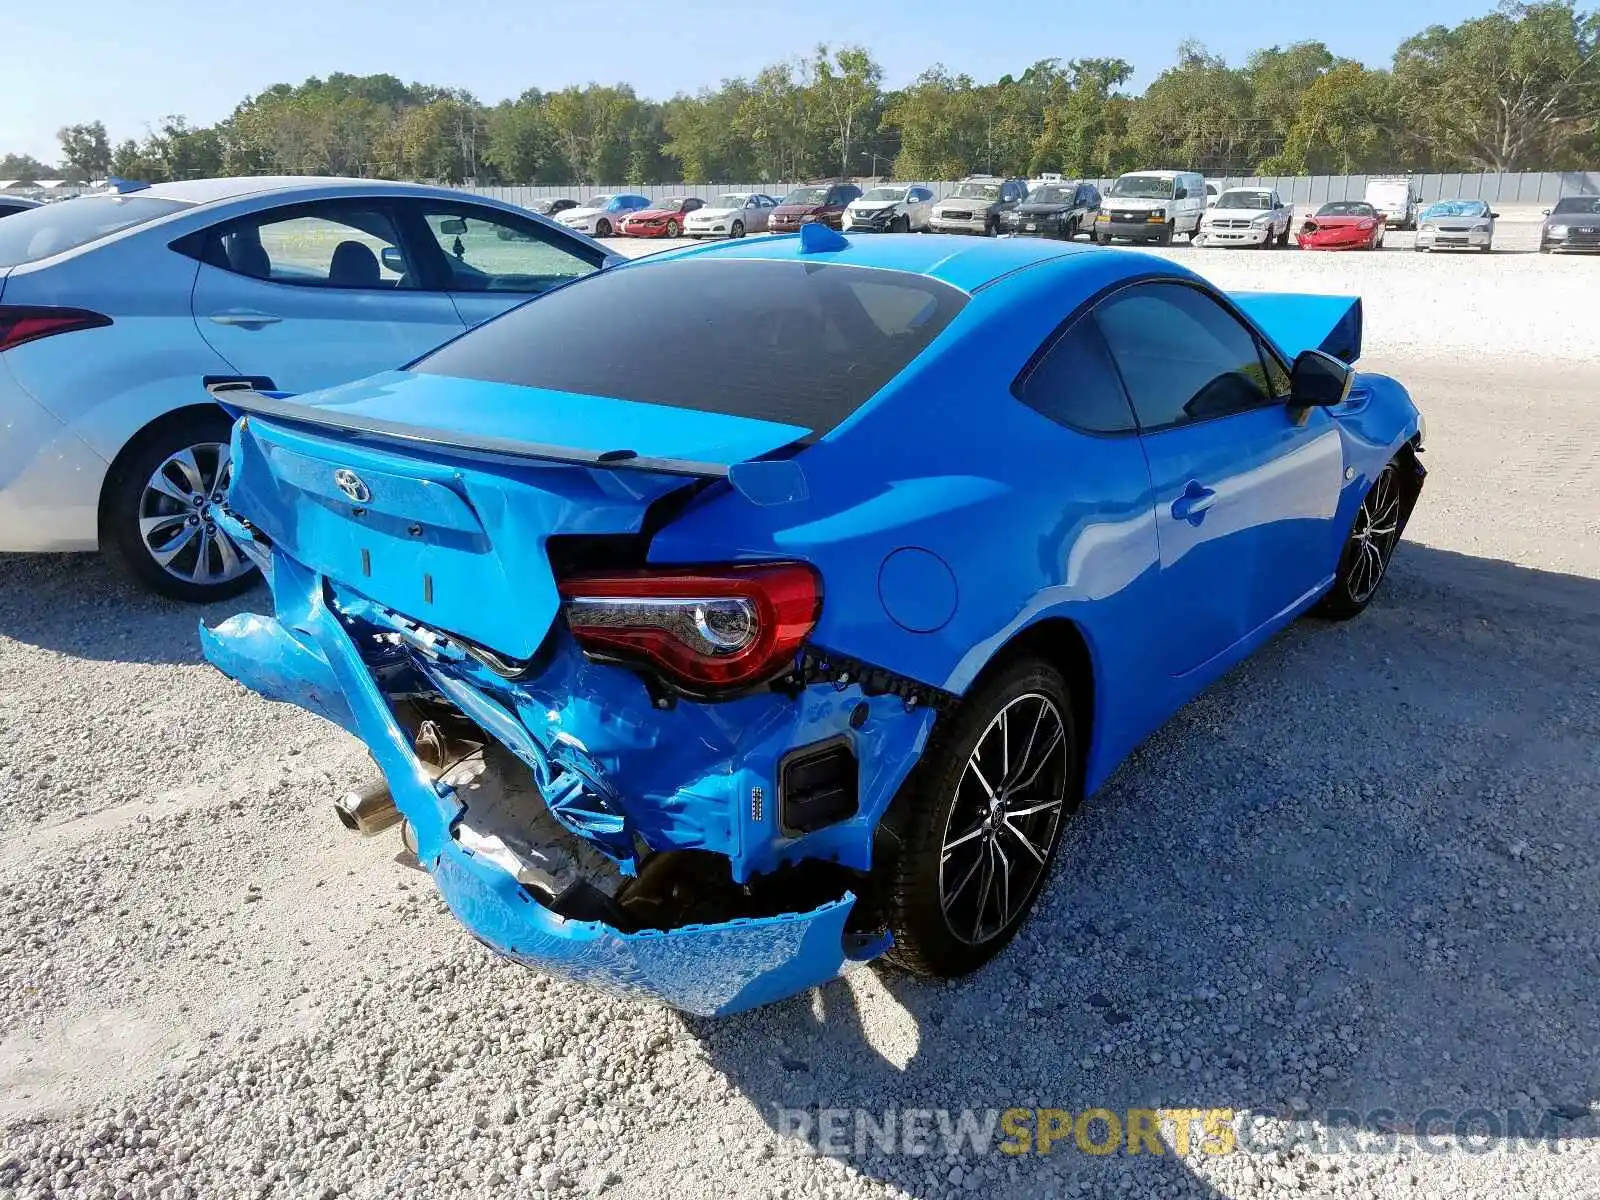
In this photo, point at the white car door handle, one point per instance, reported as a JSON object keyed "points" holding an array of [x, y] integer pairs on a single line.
{"points": [[244, 319]]}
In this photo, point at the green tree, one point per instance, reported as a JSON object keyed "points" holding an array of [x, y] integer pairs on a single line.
{"points": [[521, 147], [1516, 90], [1197, 116], [844, 89], [1344, 124], [773, 117], [23, 167], [86, 149]]}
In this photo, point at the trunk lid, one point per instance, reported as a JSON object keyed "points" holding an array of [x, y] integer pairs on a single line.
{"points": [[435, 497]]}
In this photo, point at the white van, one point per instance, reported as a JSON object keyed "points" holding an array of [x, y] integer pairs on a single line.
{"points": [[1396, 198], [1151, 206]]}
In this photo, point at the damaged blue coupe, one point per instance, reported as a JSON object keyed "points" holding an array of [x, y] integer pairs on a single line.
{"points": [[729, 616]]}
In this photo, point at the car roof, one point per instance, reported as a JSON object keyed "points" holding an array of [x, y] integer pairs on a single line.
{"points": [[965, 263], [211, 191]]}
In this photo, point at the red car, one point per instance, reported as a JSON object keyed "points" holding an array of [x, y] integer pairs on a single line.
{"points": [[663, 219], [1343, 225]]}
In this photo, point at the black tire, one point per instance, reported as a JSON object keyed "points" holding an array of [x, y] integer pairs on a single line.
{"points": [[128, 499], [1164, 238], [736, 230], [602, 228], [1382, 519], [945, 790], [901, 224], [1101, 239], [1283, 238]]}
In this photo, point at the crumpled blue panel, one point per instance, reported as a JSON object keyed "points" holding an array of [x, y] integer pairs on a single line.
{"points": [[707, 969], [269, 659], [711, 970]]}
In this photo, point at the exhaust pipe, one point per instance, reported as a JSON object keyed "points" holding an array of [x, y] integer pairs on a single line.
{"points": [[368, 809]]}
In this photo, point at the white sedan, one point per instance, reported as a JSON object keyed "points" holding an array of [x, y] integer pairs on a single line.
{"points": [[891, 208], [600, 215], [731, 215]]}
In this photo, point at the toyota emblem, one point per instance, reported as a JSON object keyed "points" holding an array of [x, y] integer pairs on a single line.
{"points": [[352, 485]]}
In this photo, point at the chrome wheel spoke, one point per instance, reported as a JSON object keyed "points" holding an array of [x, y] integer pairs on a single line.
{"points": [[1058, 738], [160, 483], [950, 899], [150, 526], [987, 860], [184, 462], [1023, 838], [966, 837], [170, 551]]}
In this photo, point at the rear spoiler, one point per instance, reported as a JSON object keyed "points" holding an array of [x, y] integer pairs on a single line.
{"points": [[767, 481], [1296, 322]]}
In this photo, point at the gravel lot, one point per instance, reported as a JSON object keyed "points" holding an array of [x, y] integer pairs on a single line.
{"points": [[1359, 873]]}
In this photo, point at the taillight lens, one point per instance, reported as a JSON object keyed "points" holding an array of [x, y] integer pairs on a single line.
{"points": [[705, 628], [28, 323]]}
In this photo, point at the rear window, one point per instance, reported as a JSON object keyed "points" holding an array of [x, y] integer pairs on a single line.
{"points": [[50, 229], [802, 343]]}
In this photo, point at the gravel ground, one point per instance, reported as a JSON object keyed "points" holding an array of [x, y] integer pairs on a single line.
{"points": [[1359, 873]]}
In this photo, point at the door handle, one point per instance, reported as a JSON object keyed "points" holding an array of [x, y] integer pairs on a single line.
{"points": [[244, 318], [1192, 505]]}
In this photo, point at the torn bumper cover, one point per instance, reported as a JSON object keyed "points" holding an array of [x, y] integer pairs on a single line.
{"points": [[582, 729]]}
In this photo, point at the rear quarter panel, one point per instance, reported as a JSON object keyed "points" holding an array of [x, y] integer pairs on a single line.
{"points": [[1012, 518], [107, 384]]}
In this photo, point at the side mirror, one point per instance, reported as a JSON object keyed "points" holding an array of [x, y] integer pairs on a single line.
{"points": [[1319, 380], [453, 225], [392, 259], [1181, 194], [1494, 216], [1545, 211]]}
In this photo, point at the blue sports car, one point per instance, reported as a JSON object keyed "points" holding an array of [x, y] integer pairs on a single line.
{"points": [[708, 647]]}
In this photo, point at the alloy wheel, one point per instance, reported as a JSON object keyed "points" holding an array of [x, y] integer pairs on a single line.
{"points": [[1003, 822], [1373, 540], [177, 516]]}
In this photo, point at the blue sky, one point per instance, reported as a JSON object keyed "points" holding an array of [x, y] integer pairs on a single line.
{"points": [[129, 62]]}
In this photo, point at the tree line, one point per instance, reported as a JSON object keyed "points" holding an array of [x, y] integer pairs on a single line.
{"points": [[1517, 89]]}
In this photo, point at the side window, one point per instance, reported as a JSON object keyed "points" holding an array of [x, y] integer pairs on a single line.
{"points": [[1076, 384], [1182, 356], [331, 246], [489, 252]]}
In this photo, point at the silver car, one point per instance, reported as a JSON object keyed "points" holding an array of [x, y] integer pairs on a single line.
{"points": [[1456, 225]]}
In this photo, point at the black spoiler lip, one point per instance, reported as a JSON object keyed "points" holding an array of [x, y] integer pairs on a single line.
{"points": [[244, 400]]}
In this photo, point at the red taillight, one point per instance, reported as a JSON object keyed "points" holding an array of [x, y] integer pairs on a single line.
{"points": [[28, 323], [705, 628]]}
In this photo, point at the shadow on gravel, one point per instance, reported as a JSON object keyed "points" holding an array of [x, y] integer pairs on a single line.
{"points": [[1360, 874], [80, 604]]}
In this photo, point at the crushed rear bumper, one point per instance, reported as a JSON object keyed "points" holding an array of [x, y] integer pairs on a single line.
{"points": [[307, 655]]}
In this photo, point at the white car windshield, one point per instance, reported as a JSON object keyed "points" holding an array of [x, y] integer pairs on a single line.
{"points": [[1457, 208], [884, 193], [978, 191], [1245, 198], [731, 200], [1143, 187]]}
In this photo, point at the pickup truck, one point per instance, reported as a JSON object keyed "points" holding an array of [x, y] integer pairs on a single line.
{"points": [[1247, 216]]}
